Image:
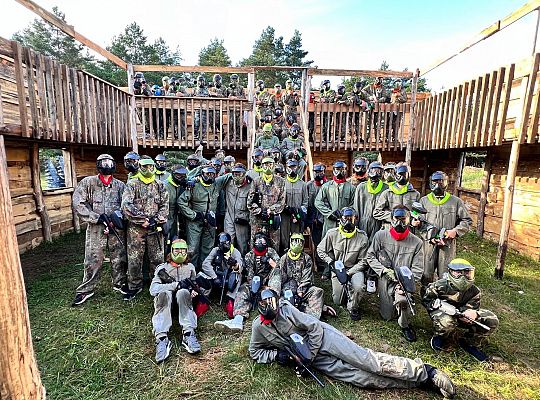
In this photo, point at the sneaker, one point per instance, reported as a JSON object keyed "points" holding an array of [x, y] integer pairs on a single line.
{"points": [[191, 344], [163, 349], [229, 325], [409, 334], [439, 343], [130, 294], [81, 298], [473, 350], [440, 381], [355, 315], [123, 289]]}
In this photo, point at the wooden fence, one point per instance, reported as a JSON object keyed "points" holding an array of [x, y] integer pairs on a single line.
{"points": [[496, 107], [42, 99], [184, 121]]}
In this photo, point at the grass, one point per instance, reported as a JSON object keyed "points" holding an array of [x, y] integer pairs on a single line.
{"points": [[105, 349], [472, 177]]}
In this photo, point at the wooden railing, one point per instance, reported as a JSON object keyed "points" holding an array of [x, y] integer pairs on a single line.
{"points": [[489, 110], [340, 127], [182, 122], [42, 99]]}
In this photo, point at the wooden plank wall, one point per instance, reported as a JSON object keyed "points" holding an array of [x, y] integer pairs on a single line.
{"points": [[43, 99], [484, 111]]}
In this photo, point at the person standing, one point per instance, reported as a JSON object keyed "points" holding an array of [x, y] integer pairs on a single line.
{"points": [[237, 213], [296, 202]]}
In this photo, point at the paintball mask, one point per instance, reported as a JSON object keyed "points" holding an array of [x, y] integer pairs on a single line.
{"points": [[340, 169], [131, 161], [161, 162], [192, 162], [341, 90], [179, 251], [402, 174], [296, 243], [239, 174], [401, 218], [179, 176], [260, 244], [260, 84], [360, 166], [292, 168], [375, 172], [460, 274], [318, 171], [147, 167], [438, 183], [225, 242], [348, 219], [268, 166], [257, 157], [268, 304], [228, 163], [105, 164], [295, 130], [267, 130], [208, 175]]}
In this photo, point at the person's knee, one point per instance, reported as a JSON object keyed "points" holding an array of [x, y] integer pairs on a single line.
{"points": [[162, 300], [183, 295]]}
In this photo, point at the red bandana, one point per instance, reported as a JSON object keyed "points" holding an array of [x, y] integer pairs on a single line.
{"points": [[320, 183], [360, 176], [339, 180], [106, 182], [260, 253], [396, 90], [265, 321], [399, 236]]}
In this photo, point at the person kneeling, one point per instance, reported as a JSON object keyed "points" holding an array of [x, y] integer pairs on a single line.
{"points": [[332, 353], [176, 279]]}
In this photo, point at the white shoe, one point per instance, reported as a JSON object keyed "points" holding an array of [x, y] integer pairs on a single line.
{"points": [[229, 325]]}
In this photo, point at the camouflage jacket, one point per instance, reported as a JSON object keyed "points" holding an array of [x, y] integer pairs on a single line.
{"points": [[290, 100], [265, 97], [141, 201], [92, 198], [255, 267], [398, 96], [343, 99], [201, 92], [237, 91], [329, 96], [441, 289], [378, 94], [356, 98], [276, 100], [296, 275], [271, 195], [201, 197], [217, 92]]}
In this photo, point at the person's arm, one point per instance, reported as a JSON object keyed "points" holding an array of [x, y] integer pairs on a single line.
{"points": [[324, 249], [474, 302], [321, 201], [132, 213], [307, 274], [163, 209], [157, 286], [260, 348], [305, 197], [371, 256], [380, 211], [309, 324], [361, 262], [431, 294], [464, 220], [253, 207], [80, 203], [417, 266], [183, 205], [207, 267]]}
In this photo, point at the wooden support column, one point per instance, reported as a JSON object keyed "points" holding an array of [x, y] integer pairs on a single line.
{"points": [[132, 110], [425, 176], [252, 124], [412, 120], [19, 374], [38, 193], [459, 173], [76, 222], [483, 194]]}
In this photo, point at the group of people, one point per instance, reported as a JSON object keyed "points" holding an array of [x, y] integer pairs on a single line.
{"points": [[373, 233]]}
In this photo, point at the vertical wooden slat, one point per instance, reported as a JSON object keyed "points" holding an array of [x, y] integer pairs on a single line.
{"points": [[44, 115], [32, 91], [114, 126], [455, 116], [462, 115], [143, 118], [127, 119], [483, 96], [192, 123], [483, 194], [484, 132], [50, 95], [475, 113], [88, 111], [64, 80], [21, 93], [327, 128], [432, 120], [207, 120], [444, 118], [496, 105], [233, 118], [529, 98], [185, 105], [468, 123], [426, 127], [98, 110], [59, 100], [449, 118], [83, 106], [1, 108], [437, 120], [151, 121], [221, 133], [242, 124], [236, 124], [108, 99], [504, 111], [421, 115]]}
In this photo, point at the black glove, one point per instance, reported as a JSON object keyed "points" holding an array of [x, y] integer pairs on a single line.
{"points": [[102, 218], [199, 216], [335, 216], [211, 219], [283, 358], [231, 262], [264, 214]]}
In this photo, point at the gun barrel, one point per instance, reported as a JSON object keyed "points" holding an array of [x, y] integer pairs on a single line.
{"points": [[306, 368]]}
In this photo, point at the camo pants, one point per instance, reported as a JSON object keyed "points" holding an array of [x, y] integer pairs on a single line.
{"points": [[313, 302], [162, 318], [446, 325], [137, 243], [94, 253], [258, 226], [243, 300]]}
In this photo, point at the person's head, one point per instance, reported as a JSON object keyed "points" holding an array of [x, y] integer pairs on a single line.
{"points": [[268, 165], [216, 163], [341, 89], [260, 243], [348, 220], [179, 175], [375, 172], [277, 88], [224, 242], [460, 274], [208, 175], [268, 304], [179, 251], [161, 162], [239, 173], [292, 168], [378, 81], [201, 81], [228, 162], [267, 130], [267, 119], [288, 84], [358, 86], [165, 81], [279, 170], [192, 162], [131, 161], [296, 243], [217, 80], [325, 85], [276, 154], [291, 119], [398, 84], [438, 183], [278, 113], [401, 218], [402, 173], [360, 166], [319, 171], [220, 153], [105, 165], [260, 84], [294, 132], [389, 171], [339, 169], [234, 80], [257, 157], [147, 167]]}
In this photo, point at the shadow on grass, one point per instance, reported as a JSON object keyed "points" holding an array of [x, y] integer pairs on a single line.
{"points": [[105, 349]]}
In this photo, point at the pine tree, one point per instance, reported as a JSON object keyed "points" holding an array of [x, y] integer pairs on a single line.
{"points": [[295, 55]]}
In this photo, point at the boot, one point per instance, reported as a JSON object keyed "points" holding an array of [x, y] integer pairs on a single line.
{"points": [[230, 325]]}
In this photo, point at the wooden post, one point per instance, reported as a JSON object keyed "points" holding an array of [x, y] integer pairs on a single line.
{"points": [[38, 193], [19, 374], [425, 176], [459, 173], [76, 222], [412, 119], [250, 96], [483, 194], [132, 111]]}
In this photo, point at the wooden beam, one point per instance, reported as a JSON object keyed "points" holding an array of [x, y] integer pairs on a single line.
{"points": [[132, 110], [412, 123], [483, 194], [70, 31], [41, 208], [19, 78], [497, 26], [19, 374], [528, 97], [195, 68], [359, 72], [459, 173], [76, 222]]}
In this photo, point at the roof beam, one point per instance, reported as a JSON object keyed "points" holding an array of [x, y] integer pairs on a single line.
{"points": [[70, 31]]}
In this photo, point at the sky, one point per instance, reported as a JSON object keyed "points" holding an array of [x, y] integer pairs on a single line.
{"points": [[338, 34]]}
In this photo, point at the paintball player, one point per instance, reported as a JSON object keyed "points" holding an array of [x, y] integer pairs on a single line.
{"points": [[398, 96], [359, 175], [390, 249], [261, 264], [94, 199], [176, 185], [401, 192], [262, 100], [333, 196], [131, 163], [443, 211], [292, 141], [327, 95], [276, 155], [266, 201], [145, 204], [170, 281], [365, 198], [278, 123], [376, 93], [217, 89], [257, 157], [276, 99], [315, 219], [267, 139], [389, 173], [228, 163], [296, 202], [296, 269], [199, 206], [453, 304], [237, 213], [235, 91], [348, 245], [342, 99], [290, 99], [201, 90], [329, 351], [161, 168]]}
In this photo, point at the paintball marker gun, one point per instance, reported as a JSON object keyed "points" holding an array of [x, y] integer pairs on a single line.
{"points": [[299, 351], [449, 309], [341, 274], [418, 212], [292, 297], [405, 279], [255, 287], [114, 221], [436, 237], [187, 283]]}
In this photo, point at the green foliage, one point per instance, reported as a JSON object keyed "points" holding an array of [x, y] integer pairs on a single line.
{"points": [[215, 54], [175, 158]]}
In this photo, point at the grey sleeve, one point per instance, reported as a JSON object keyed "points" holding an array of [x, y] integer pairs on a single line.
{"points": [[371, 256], [157, 287], [207, 267], [260, 348], [379, 212], [324, 250], [464, 220], [311, 325]]}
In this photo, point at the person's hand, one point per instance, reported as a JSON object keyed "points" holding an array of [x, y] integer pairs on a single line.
{"points": [[415, 222], [399, 290], [102, 218], [451, 234], [106, 230], [146, 223], [472, 314], [194, 294], [272, 263], [199, 216], [390, 274]]}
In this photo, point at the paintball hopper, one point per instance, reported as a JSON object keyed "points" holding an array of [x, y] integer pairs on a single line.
{"points": [[341, 272]]}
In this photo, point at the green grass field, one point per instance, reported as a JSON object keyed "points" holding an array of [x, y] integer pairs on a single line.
{"points": [[105, 349], [472, 177]]}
